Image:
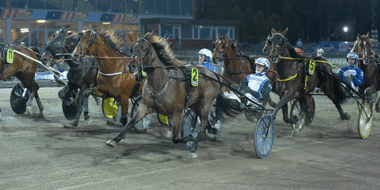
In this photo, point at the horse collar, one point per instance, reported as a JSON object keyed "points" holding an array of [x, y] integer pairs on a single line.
{"points": [[155, 96]]}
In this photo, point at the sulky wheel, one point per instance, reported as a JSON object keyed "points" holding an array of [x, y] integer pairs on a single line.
{"points": [[143, 124], [110, 108], [190, 125], [215, 122], [263, 136], [19, 97], [295, 111], [365, 121]]}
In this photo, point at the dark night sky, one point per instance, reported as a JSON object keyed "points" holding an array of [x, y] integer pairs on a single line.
{"points": [[309, 20]]}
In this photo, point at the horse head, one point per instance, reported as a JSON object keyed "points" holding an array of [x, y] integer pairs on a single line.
{"points": [[85, 45], [278, 45], [362, 46], [220, 45], [142, 56]]}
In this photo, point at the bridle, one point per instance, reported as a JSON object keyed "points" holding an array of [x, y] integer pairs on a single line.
{"points": [[278, 46], [364, 55], [94, 40], [228, 57]]}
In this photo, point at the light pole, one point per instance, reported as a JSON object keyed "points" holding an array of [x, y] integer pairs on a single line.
{"points": [[345, 30]]}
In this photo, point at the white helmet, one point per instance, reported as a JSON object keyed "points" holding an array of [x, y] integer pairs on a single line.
{"points": [[320, 50], [263, 61], [206, 53]]}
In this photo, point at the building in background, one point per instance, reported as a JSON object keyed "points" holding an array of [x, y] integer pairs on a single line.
{"points": [[34, 21]]}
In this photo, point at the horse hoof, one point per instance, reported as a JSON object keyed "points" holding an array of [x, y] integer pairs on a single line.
{"points": [[69, 125], [88, 121], [295, 132], [111, 143], [111, 122], [345, 116], [168, 134], [86, 118], [193, 154]]}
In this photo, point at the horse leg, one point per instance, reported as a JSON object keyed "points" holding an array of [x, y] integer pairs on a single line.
{"points": [[176, 122], [40, 106], [85, 108], [79, 111], [377, 99], [270, 102], [141, 112], [283, 104]]}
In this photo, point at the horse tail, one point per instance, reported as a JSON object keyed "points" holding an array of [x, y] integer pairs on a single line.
{"points": [[226, 107]]}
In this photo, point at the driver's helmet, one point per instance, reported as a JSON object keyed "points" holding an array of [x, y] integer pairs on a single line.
{"points": [[206, 53], [320, 50], [263, 61], [354, 56]]}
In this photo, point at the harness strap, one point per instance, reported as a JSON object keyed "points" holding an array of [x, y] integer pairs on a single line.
{"points": [[287, 79], [155, 96]]}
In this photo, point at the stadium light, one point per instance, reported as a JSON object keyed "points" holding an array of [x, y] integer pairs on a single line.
{"points": [[345, 29], [41, 21]]}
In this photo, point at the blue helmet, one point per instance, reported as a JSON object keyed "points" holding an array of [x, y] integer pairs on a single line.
{"points": [[353, 55], [263, 61]]}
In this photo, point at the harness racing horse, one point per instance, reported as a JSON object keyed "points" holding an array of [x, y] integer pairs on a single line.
{"points": [[113, 79], [296, 82], [80, 75], [236, 65], [368, 62], [168, 89], [24, 68]]}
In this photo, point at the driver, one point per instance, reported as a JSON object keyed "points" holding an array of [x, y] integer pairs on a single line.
{"points": [[351, 74], [320, 52], [205, 56], [257, 86]]}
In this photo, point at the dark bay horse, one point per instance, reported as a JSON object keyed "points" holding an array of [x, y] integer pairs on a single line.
{"points": [[24, 69], [292, 75], [369, 63], [168, 89], [81, 75], [236, 65], [113, 79]]}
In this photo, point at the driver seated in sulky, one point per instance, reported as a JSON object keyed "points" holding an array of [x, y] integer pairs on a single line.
{"points": [[351, 74], [257, 86], [205, 56]]}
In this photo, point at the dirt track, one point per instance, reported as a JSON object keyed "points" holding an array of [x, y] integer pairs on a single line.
{"points": [[41, 154]]}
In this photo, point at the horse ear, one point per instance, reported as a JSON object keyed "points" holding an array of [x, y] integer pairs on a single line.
{"points": [[358, 36], [235, 43], [285, 31], [97, 30], [273, 31], [89, 27], [367, 35], [218, 35], [226, 36]]}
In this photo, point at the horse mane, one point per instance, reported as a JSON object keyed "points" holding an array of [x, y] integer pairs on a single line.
{"points": [[113, 40], [236, 50], [162, 48]]}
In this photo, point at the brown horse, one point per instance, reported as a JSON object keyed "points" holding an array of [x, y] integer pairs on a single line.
{"points": [[236, 65], [113, 80], [369, 63], [168, 88], [24, 69], [80, 76], [292, 75]]}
